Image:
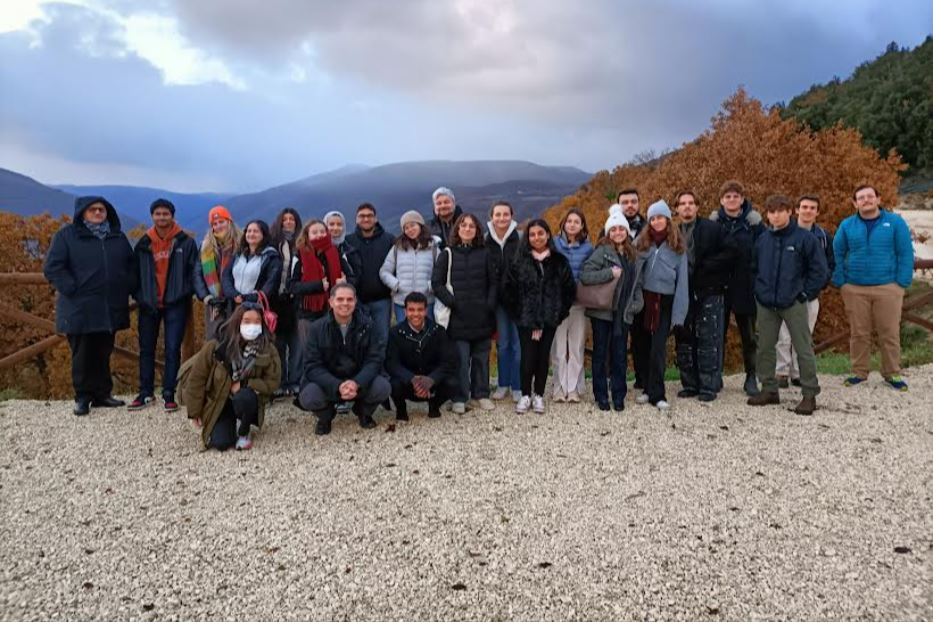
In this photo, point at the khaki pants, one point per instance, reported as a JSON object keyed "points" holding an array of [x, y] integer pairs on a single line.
{"points": [[786, 357], [874, 308]]}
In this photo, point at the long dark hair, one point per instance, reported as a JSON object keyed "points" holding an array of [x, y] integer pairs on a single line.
{"points": [[584, 230], [423, 241], [674, 239], [478, 241], [537, 222], [278, 235], [229, 332], [266, 238]]}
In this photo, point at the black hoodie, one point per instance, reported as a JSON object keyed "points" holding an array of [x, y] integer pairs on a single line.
{"points": [[372, 253], [93, 276]]}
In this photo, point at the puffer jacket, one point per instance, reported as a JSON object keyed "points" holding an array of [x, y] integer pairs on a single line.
{"points": [[184, 273], [474, 280], [502, 251], [208, 386], [886, 255], [270, 274], [406, 270], [597, 269], [539, 294], [789, 267], [330, 358], [575, 253], [741, 233], [93, 277]]}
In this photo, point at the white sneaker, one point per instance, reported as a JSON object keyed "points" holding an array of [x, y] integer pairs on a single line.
{"points": [[642, 399], [574, 397], [559, 395], [523, 404], [486, 404], [500, 393], [244, 443], [516, 395], [662, 405], [458, 408], [537, 404]]}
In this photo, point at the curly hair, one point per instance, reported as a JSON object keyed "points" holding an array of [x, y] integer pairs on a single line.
{"points": [[477, 242]]}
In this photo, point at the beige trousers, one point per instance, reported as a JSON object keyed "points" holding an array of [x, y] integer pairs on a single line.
{"points": [[874, 308]]}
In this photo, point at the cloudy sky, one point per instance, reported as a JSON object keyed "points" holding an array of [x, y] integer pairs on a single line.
{"points": [[239, 95]]}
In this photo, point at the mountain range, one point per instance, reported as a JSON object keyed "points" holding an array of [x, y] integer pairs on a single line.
{"points": [[392, 188]]}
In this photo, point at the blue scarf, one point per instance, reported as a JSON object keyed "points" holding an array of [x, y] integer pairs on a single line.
{"points": [[100, 231]]}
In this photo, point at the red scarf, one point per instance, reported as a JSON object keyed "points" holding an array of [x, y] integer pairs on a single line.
{"points": [[313, 270], [652, 316]]}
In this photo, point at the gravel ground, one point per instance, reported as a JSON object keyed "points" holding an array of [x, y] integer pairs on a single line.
{"points": [[710, 512]]}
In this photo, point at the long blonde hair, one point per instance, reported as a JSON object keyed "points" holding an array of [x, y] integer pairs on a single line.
{"points": [[210, 242]]}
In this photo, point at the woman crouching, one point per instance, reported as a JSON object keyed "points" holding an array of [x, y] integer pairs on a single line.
{"points": [[232, 380]]}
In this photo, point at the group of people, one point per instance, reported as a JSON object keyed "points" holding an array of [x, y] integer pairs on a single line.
{"points": [[304, 309]]}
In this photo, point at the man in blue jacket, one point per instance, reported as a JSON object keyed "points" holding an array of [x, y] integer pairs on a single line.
{"points": [[790, 270], [169, 273], [874, 267], [90, 264]]}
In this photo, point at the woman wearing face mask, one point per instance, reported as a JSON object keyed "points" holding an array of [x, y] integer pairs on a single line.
{"points": [[256, 267], [502, 241], [661, 296], [539, 290], [573, 242], [409, 265], [232, 379], [217, 251], [350, 258], [614, 256], [284, 232]]}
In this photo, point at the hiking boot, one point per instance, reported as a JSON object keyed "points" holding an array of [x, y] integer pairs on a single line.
{"points": [[806, 406], [896, 382], [82, 406], [141, 401], [751, 385], [764, 398], [783, 382]]}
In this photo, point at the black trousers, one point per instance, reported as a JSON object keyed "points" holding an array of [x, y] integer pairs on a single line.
{"points": [[536, 358], [90, 365], [402, 391], [746, 324], [652, 357], [243, 406], [639, 344]]}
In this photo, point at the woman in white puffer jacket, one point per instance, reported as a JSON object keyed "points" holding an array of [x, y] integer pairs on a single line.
{"points": [[409, 265]]}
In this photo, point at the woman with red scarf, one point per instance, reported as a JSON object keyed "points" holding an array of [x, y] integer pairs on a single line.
{"points": [[661, 298], [317, 270]]}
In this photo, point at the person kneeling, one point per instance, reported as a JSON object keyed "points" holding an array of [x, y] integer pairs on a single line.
{"points": [[343, 359], [421, 360], [232, 380]]}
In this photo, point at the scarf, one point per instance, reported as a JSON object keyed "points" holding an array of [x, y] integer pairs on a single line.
{"points": [[161, 255], [542, 255], [100, 231], [313, 269], [242, 362], [210, 267], [652, 317], [658, 237]]}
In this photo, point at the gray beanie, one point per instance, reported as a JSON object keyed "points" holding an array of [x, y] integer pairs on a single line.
{"points": [[659, 208], [411, 216]]}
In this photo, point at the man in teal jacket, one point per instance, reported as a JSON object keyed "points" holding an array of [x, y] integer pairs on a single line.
{"points": [[874, 266]]}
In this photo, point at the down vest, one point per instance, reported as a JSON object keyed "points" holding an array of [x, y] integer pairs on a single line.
{"points": [[474, 280], [539, 294], [406, 270]]}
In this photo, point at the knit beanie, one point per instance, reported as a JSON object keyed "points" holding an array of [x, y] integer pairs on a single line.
{"points": [[218, 211], [161, 203], [659, 208], [412, 216], [616, 219], [444, 191]]}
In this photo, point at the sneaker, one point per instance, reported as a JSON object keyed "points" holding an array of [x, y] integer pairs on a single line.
{"points": [[896, 382], [663, 405], [516, 395], [458, 408], [500, 393], [486, 404], [523, 404], [560, 396], [140, 402], [573, 397], [244, 443], [642, 399], [170, 404], [537, 404], [783, 383], [851, 381]]}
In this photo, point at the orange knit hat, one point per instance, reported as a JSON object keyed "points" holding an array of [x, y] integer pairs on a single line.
{"points": [[218, 211]]}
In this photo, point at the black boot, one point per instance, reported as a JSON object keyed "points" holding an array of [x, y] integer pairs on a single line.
{"points": [[324, 419], [401, 410], [108, 402], [82, 406]]}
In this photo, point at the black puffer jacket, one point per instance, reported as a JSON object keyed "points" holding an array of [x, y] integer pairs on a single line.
{"points": [[502, 254], [741, 233], [474, 280], [330, 358], [539, 294], [714, 257], [372, 253], [184, 273], [93, 277], [270, 274], [428, 353]]}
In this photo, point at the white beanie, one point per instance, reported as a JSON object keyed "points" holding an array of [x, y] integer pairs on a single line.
{"points": [[617, 219], [659, 208], [443, 191]]}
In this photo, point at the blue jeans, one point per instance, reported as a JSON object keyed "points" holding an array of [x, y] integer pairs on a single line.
{"points": [[611, 349], [175, 318], [381, 313], [508, 351], [400, 312]]}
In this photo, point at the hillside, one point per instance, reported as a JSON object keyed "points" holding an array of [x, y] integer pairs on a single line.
{"points": [[134, 201]]}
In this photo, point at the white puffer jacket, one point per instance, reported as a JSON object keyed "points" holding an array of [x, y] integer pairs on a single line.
{"points": [[406, 271]]}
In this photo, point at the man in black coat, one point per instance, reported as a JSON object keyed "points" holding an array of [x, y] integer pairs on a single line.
{"points": [[421, 360], [169, 267], [742, 225], [90, 264], [699, 341], [342, 364], [372, 243], [446, 212]]}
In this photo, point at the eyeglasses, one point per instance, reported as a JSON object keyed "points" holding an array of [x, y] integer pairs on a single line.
{"points": [[96, 209]]}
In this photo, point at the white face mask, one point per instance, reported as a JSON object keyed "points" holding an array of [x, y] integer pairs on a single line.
{"points": [[250, 331]]}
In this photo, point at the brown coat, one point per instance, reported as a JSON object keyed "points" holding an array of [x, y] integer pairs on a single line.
{"points": [[208, 386]]}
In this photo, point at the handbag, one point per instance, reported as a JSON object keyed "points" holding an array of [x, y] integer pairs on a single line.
{"points": [[270, 317], [442, 311], [600, 297]]}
